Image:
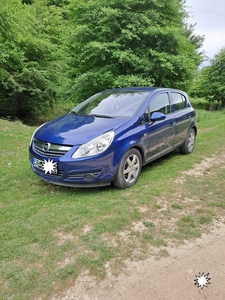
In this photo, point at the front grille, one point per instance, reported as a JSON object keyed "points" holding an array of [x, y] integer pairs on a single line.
{"points": [[47, 149], [59, 174]]}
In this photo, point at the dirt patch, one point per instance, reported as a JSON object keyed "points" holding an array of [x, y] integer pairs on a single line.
{"points": [[170, 277], [205, 167], [87, 228], [63, 237]]}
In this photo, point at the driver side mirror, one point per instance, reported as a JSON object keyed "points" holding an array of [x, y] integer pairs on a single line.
{"points": [[157, 116]]}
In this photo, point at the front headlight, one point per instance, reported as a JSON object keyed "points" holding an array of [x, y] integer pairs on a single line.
{"points": [[95, 146], [31, 140]]}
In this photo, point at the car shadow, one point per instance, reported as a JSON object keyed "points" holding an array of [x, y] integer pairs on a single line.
{"points": [[102, 189], [160, 161]]}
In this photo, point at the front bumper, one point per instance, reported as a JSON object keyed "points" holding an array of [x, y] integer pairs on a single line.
{"points": [[86, 172]]}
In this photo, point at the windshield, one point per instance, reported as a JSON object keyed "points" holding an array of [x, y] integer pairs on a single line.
{"points": [[112, 104]]}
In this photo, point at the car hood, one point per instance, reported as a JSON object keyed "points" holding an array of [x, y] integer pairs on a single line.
{"points": [[74, 129]]}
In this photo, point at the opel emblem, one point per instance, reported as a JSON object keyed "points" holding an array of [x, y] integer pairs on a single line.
{"points": [[46, 147]]}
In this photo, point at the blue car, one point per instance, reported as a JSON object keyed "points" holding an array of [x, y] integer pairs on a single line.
{"points": [[111, 135]]}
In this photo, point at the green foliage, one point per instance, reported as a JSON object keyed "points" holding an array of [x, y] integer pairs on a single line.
{"points": [[217, 77], [176, 206], [31, 63], [139, 43], [27, 1], [148, 224], [210, 81], [52, 50]]}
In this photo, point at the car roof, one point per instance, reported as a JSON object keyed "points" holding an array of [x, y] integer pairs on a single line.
{"points": [[141, 89]]}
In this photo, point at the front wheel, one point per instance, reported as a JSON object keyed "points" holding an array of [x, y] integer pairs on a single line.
{"points": [[129, 169], [189, 144]]}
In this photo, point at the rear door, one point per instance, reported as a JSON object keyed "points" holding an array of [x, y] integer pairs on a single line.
{"points": [[183, 117]]}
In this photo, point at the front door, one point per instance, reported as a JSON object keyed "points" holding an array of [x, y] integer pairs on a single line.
{"points": [[161, 134]]}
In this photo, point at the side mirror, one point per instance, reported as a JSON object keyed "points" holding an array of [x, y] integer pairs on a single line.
{"points": [[157, 116]]}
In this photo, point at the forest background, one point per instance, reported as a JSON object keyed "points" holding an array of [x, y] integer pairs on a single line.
{"points": [[54, 54]]}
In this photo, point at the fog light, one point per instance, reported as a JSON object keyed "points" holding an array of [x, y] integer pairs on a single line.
{"points": [[88, 177]]}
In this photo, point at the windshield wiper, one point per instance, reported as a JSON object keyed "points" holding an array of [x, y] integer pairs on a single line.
{"points": [[90, 115], [101, 116], [73, 112], [77, 114]]}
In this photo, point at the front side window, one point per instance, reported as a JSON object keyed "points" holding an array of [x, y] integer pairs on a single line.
{"points": [[160, 104], [178, 101]]}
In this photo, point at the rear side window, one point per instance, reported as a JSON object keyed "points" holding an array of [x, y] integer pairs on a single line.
{"points": [[178, 101], [160, 104]]}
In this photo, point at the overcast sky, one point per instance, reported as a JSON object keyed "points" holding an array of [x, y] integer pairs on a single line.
{"points": [[209, 16]]}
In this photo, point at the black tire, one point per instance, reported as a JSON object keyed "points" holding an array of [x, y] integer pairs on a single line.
{"points": [[129, 169], [189, 144]]}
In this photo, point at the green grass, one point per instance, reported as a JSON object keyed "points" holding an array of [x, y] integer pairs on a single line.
{"points": [[50, 234]]}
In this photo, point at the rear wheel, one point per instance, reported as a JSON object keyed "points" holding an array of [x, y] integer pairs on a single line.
{"points": [[129, 169], [189, 144]]}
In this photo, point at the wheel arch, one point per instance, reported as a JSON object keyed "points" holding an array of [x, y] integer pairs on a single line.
{"points": [[137, 147], [131, 146], [195, 129], [140, 151]]}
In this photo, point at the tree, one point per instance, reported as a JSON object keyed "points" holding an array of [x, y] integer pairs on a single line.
{"points": [[216, 78], [200, 83], [31, 56], [118, 43], [210, 82]]}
